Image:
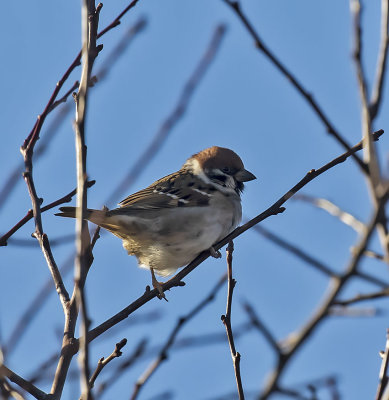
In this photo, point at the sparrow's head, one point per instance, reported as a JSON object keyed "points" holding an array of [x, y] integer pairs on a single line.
{"points": [[220, 166]]}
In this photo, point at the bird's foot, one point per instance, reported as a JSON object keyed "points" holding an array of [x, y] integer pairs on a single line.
{"points": [[215, 253], [157, 285]]}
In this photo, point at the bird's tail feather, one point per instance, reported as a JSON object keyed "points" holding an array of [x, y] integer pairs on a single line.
{"points": [[98, 217]]}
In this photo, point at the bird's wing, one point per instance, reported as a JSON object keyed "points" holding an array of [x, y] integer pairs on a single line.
{"points": [[179, 189]]}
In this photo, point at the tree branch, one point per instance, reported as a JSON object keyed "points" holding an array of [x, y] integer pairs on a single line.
{"points": [[384, 379], [274, 209], [26, 385], [65, 199], [163, 354], [226, 319], [90, 21], [104, 361], [376, 97], [260, 45]]}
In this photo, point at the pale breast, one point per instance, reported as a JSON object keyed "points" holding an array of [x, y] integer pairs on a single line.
{"points": [[175, 237]]}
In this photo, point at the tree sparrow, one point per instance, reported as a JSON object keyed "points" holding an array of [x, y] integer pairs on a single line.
{"points": [[169, 223]]}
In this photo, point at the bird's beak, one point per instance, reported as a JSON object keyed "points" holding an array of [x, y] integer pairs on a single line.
{"points": [[244, 176]]}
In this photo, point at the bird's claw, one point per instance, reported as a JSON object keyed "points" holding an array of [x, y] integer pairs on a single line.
{"points": [[158, 285], [215, 253]]}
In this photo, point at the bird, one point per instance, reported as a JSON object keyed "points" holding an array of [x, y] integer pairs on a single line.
{"points": [[169, 223]]}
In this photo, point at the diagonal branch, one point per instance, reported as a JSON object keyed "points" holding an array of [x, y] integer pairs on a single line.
{"points": [[335, 287], [363, 297], [274, 209], [163, 353], [105, 361], [174, 117], [65, 199], [26, 385], [334, 210], [262, 328], [260, 45]]}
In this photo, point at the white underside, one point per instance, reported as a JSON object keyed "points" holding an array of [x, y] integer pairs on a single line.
{"points": [[173, 240]]}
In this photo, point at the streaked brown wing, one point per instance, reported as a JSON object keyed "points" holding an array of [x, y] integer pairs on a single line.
{"points": [[175, 190]]}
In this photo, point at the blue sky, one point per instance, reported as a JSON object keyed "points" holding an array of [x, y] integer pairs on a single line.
{"points": [[242, 103]]}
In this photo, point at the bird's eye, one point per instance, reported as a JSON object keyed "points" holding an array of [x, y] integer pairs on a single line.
{"points": [[226, 170]]}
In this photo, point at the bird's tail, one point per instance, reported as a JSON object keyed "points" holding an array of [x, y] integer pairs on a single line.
{"points": [[95, 216], [98, 217]]}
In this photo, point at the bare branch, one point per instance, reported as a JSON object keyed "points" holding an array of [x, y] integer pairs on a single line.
{"points": [[376, 97], [65, 199], [90, 21], [383, 383], [304, 256], [64, 97], [163, 354], [260, 45], [27, 152], [104, 361], [257, 323], [226, 319], [117, 20], [174, 117], [139, 350], [370, 156], [112, 57], [8, 391], [335, 287], [334, 210], [341, 311], [274, 209], [26, 385], [363, 297]]}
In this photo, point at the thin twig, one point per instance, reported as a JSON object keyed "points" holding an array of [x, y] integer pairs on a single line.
{"points": [[314, 262], [104, 361], [383, 376], [262, 328], [34, 134], [36, 304], [333, 209], [374, 180], [370, 156], [64, 97], [65, 199], [226, 319], [27, 152], [163, 354], [8, 391], [301, 254], [260, 45], [336, 285], [137, 353], [110, 60], [376, 96], [363, 297], [173, 118]]}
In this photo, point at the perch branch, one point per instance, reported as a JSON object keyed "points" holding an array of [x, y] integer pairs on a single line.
{"points": [[274, 209]]}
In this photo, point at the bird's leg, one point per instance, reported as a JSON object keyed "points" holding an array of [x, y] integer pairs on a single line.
{"points": [[215, 253], [157, 285]]}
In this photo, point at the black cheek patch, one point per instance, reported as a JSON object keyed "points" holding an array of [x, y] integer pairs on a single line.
{"points": [[220, 178]]}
